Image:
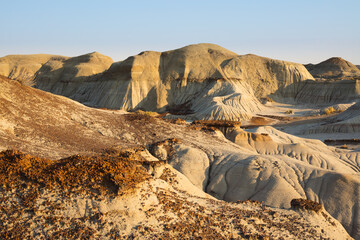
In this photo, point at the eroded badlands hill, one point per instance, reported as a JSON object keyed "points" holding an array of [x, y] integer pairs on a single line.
{"points": [[333, 68], [202, 81], [266, 165]]}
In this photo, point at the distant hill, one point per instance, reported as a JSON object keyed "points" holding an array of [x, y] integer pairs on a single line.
{"points": [[333, 68]]}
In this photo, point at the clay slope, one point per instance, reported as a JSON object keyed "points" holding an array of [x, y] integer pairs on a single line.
{"points": [[203, 81], [333, 68], [272, 167]]}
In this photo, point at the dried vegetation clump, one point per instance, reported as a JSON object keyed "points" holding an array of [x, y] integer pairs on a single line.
{"points": [[212, 125], [331, 110], [300, 203], [99, 175]]}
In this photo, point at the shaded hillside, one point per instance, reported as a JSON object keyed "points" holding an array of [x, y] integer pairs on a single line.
{"points": [[333, 68]]}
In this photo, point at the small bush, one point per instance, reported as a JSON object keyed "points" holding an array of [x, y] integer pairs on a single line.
{"points": [[289, 112], [147, 113], [329, 110]]}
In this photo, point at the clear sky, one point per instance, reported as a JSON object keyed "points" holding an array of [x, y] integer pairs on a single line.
{"points": [[299, 31]]}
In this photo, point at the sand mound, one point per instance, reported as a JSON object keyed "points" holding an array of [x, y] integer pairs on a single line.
{"points": [[333, 68]]}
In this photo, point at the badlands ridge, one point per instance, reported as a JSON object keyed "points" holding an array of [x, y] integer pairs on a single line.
{"points": [[148, 174]]}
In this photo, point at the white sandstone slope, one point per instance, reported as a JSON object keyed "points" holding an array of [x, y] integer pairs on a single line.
{"points": [[202, 81]]}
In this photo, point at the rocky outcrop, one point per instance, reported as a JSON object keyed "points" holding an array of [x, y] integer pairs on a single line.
{"points": [[333, 68]]}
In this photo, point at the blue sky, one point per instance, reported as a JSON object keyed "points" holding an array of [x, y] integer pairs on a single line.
{"points": [[299, 31]]}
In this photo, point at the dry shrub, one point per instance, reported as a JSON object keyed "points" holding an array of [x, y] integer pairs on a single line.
{"points": [[147, 113], [300, 203], [289, 112], [329, 110], [103, 175]]}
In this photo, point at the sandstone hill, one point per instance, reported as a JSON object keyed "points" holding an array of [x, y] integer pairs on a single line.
{"points": [[333, 68], [202, 81], [263, 165]]}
